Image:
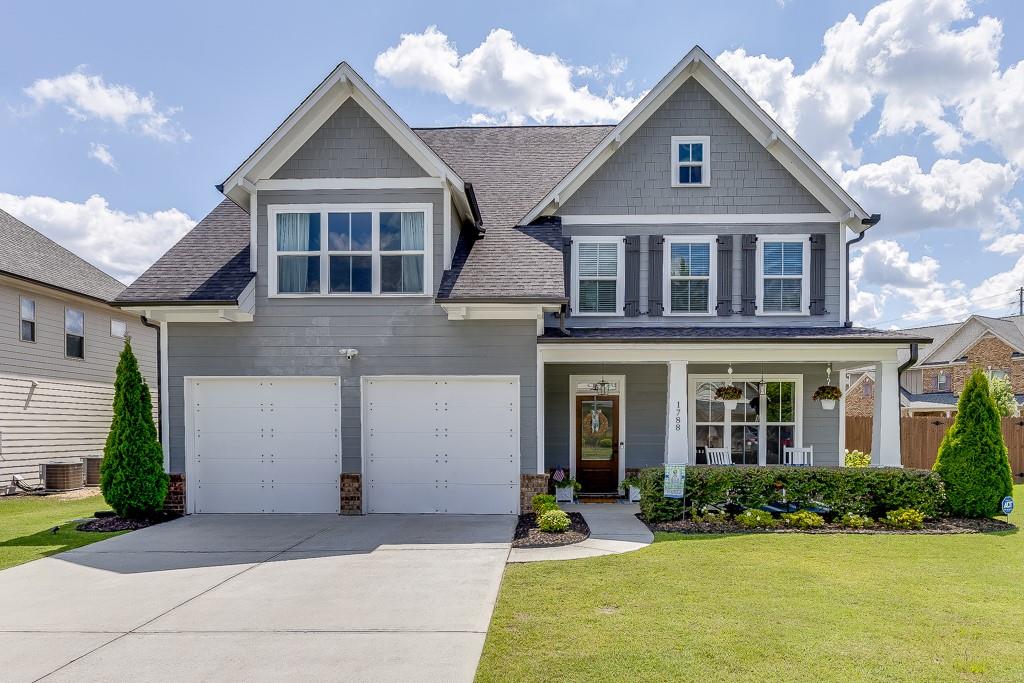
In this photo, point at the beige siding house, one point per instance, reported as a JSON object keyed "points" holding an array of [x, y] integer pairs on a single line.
{"points": [[59, 348]]}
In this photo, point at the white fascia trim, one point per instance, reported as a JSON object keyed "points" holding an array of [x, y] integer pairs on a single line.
{"points": [[805, 277], [490, 311], [446, 225], [717, 352], [165, 410], [294, 184], [699, 219], [201, 313], [666, 272], [253, 221], [699, 65]]}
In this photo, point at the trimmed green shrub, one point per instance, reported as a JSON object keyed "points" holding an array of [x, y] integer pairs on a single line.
{"points": [[756, 519], [1002, 393], [857, 458], [554, 521], [710, 517], [132, 476], [904, 518], [855, 521], [803, 519], [972, 458], [542, 501], [868, 491]]}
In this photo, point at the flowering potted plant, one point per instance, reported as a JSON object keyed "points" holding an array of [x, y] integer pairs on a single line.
{"points": [[631, 485], [729, 395], [828, 395], [565, 486]]}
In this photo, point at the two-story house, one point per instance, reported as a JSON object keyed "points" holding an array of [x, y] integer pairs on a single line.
{"points": [[386, 319]]}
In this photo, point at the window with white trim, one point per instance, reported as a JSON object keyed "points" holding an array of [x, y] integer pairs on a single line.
{"points": [[598, 276], [690, 273], [757, 429], [118, 328], [350, 250], [691, 161], [27, 314], [74, 333], [942, 381], [782, 273]]}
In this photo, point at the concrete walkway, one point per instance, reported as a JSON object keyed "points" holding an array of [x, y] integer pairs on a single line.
{"points": [[261, 598], [614, 529]]}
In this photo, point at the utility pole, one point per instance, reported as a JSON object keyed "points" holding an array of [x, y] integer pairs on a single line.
{"points": [[1020, 301]]}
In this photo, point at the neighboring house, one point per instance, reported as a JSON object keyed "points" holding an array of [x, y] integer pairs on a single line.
{"points": [[932, 385], [59, 346], [442, 316]]}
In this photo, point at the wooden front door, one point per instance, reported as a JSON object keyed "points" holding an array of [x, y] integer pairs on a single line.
{"points": [[597, 443]]}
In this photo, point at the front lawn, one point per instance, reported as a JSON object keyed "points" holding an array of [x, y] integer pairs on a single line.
{"points": [[790, 607], [26, 524]]}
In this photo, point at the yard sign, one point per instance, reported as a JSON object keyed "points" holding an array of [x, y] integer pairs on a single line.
{"points": [[675, 480], [1007, 505]]}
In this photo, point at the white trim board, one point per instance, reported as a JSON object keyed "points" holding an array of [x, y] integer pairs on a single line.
{"points": [[297, 184], [573, 380], [699, 219], [202, 313], [716, 351]]}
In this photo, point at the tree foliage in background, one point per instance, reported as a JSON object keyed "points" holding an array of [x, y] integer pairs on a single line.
{"points": [[132, 476], [972, 459], [1002, 394]]}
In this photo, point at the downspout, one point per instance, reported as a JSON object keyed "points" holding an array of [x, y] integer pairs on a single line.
{"points": [[159, 380], [868, 222]]}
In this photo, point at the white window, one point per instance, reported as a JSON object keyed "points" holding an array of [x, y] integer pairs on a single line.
{"points": [[691, 161], [74, 333], [867, 388], [690, 275], [998, 374], [782, 267], [350, 250], [597, 264], [118, 328], [28, 319], [942, 381]]}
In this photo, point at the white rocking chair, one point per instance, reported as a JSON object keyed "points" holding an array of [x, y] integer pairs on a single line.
{"points": [[719, 456], [798, 456]]}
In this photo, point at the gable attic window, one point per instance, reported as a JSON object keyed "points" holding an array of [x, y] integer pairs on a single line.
{"points": [[350, 250], [598, 275], [782, 268], [691, 161]]}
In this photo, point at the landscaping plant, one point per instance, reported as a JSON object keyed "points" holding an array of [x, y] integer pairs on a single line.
{"points": [[1002, 393], [756, 519], [972, 459], [555, 521], [542, 502], [132, 476], [904, 518], [803, 519], [857, 458], [851, 520], [827, 392]]}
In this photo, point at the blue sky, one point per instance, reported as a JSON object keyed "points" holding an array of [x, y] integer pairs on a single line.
{"points": [[117, 121]]}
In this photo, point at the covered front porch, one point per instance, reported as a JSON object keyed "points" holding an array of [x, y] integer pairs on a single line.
{"points": [[608, 409]]}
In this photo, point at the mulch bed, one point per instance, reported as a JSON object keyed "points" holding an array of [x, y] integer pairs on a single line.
{"points": [[108, 521], [529, 536], [950, 525]]}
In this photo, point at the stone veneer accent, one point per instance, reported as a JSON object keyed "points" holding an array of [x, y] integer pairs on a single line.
{"points": [[351, 493], [175, 500], [529, 486], [857, 404], [987, 352]]}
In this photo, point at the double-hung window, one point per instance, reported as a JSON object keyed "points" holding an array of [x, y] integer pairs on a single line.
{"points": [[350, 250], [28, 319], [689, 279], [598, 275], [782, 273], [691, 161], [942, 381], [74, 333]]}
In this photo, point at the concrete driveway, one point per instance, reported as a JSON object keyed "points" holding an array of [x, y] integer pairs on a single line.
{"points": [[260, 597]]}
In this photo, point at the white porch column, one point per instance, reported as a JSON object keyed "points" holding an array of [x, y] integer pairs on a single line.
{"points": [[676, 430], [540, 411], [885, 425]]}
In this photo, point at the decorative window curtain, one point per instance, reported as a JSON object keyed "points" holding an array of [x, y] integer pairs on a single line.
{"points": [[412, 239], [297, 232]]}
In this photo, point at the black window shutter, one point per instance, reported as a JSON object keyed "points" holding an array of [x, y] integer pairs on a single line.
{"points": [[724, 305], [817, 303], [749, 293], [656, 246], [632, 293], [567, 267]]}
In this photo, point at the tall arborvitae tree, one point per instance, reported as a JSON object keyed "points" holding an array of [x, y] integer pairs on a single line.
{"points": [[972, 459], [132, 476]]}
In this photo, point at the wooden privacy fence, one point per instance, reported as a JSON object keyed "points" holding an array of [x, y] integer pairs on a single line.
{"points": [[921, 436]]}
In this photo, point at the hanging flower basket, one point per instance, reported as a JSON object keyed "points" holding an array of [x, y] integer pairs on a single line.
{"points": [[828, 395], [729, 395]]}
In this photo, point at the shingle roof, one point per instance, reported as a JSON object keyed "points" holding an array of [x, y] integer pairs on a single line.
{"points": [[209, 264], [27, 253], [511, 169], [724, 333]]}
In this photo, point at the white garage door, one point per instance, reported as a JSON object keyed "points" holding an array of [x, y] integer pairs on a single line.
{"points": [[264, 444], [441, 444]]}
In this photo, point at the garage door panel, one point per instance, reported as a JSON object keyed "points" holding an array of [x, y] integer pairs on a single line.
{"points": [[478, 470], [234, 445], [479, 499], [403, 498], [299, 391], [303, 418], [383, 445], [229, 418], [414, 418], [213, 497], [240, 392], [402, 470], [480, 446], [302, 445], [231, 471], [304, 497], [293, 470]]}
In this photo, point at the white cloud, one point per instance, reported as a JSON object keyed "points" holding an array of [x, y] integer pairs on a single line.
{"points": [[100, 152], [952, 194], [511, 83], [1008, 244], [86, 96], [120, 243]]}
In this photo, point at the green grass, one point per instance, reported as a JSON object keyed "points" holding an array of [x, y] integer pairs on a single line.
{"points": [[759, 608], [26, 523]]}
